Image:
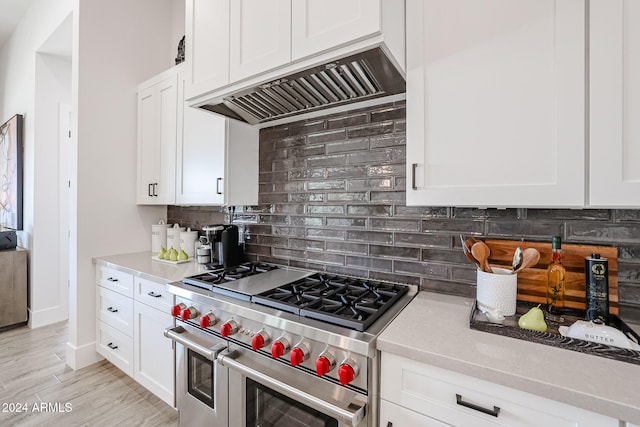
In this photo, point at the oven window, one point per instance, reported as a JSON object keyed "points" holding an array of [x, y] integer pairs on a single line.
{"points": [[200, 381], [266, 408]]}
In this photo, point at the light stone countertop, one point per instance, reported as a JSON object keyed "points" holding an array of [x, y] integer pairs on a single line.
{"points": [[434, 329], [141, 264]]}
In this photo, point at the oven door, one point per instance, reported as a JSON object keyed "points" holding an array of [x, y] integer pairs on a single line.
{"points": [[201, 384], [271, 393]]}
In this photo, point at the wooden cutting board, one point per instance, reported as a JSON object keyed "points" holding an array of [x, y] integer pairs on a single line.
{"points": [[532, 282]]}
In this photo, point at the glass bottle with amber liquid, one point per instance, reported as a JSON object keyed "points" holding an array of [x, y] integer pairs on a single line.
{"points": [[555, 281]]}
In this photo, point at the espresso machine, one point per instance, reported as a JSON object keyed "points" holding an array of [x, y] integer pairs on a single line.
{"points": [[219, 247]]}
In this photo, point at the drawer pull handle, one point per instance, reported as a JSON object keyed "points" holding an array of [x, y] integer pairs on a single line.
{"points": [[112, 346], [389, 424], [154, 295], [112, 279], [493, 413], [111, 309]]}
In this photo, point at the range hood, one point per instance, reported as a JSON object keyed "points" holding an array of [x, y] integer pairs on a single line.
{"points": [[356, 78]]}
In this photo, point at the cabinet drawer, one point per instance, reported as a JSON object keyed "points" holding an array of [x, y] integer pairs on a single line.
{"points": [[115, 346], [458, 399], [115, 310], [153, 294], [115, 280], [392, 415]]}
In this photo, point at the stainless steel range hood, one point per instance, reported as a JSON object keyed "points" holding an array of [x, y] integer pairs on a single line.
{"points": [[359, 77]]}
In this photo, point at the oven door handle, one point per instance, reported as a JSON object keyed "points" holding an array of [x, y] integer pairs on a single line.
{"points": [[180, 335], [352, 415]]}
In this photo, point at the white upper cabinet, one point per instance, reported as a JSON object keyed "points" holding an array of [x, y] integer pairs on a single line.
{"points": [[260, 36], [614, 69], [201, 155], [320, 25], [496, 103], [207, 44], [157, 132], [217, 159]]}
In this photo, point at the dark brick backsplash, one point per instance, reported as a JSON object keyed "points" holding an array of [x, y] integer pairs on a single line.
{"points": [[332, 198]]}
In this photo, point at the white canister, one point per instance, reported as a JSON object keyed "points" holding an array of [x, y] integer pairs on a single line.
{"points": [[498, 290], [188, 241], [173, 236], [158, 236]]}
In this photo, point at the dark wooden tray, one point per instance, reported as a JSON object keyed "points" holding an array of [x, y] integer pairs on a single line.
{"points": [[552, 337]]}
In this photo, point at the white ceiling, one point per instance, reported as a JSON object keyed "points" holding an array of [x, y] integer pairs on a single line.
{"points": [[11, 12]]}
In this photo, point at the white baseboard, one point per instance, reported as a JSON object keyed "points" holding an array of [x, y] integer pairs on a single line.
{"points": [[47, 316], [82, 356]]}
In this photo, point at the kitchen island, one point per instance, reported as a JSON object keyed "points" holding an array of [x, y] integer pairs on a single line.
{"points": [[434, 330]]}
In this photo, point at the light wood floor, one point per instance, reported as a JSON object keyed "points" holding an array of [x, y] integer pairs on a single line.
{"points": [[35, 380]]}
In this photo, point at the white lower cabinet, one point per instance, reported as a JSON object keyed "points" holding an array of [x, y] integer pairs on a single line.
{"points": [[131, 315], [417, 394], [153, 364]]}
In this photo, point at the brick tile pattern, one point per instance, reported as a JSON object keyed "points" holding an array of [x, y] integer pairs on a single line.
{"points": [[332, 198]]}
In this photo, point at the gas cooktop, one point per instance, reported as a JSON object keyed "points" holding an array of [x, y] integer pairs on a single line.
{"points": [[349, 302]]}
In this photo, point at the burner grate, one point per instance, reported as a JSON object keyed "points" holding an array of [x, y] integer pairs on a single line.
{"points": [[210, 279], [345, 301]]}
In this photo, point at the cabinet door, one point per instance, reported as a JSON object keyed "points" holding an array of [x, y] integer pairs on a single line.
{"points": [[318, 25], [207, 45], [614, 77], [495, 103], [260, 36], [241, 165], [148, 171], [153, 357], [200, 158], [157, 123]]}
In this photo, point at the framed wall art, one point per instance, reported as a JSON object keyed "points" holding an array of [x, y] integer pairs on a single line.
{"points": [[11, 173]]}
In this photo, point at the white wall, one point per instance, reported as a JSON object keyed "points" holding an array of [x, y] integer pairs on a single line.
{"points": [[120, 43], [18, 68], [49, 299], [115, 45]]}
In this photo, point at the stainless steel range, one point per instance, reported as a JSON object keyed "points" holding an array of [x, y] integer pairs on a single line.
{"points": [[265, 345]]}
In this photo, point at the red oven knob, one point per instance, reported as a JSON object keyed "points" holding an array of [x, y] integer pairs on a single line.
{"points": [[324, 363], [347, 371], [279, 347], [229, 327], [176, 309], [188, 313], [298, 354], [207, 320], [259, 340]]}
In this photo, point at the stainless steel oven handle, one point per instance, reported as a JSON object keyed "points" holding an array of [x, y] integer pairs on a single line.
{"points": [[353, 415], [180, 335]]}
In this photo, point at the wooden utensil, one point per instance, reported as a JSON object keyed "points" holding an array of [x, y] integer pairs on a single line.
{"points": [[466, 247], [481, 252], [530, 257]]}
